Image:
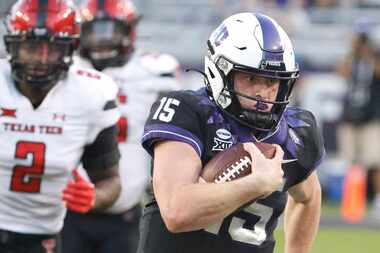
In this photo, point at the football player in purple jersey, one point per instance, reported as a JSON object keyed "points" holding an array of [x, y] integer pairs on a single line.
{"points": [[250, 71]]}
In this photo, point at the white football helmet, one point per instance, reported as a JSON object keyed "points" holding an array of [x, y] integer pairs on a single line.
{"points": [[253, 43]]}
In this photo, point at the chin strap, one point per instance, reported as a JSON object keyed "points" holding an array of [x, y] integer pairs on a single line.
{"points": [[203, 74]]}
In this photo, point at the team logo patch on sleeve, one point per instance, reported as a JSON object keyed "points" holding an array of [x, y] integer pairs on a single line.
{"points": [[222, 140], [5, 112]]}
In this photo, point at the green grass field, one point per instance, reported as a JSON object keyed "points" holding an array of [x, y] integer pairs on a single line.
{"points": [[339, 240], [334, 240]]}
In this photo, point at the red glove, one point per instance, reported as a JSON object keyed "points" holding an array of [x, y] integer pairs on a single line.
{"points": [[79, 194]]}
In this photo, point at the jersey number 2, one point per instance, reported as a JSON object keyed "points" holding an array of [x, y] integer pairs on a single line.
{"points": [[28, 178]]}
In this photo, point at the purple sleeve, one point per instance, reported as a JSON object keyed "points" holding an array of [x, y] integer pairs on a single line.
{"points": [[159, 132]]}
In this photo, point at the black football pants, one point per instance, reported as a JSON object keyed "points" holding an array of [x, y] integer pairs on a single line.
{"points": [[101, 233], [11, 242]]}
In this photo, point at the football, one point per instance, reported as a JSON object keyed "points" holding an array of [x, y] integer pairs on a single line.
{"points": [[233, 163]]}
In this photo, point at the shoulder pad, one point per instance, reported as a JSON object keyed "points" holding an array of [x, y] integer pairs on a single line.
{"points": [[81, 62], [160, 64], [305, 136], [5, 69], [94, 85]]}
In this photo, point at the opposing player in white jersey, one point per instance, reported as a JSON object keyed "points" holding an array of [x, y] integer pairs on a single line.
{"points": [[108, 34], [52, 118]]}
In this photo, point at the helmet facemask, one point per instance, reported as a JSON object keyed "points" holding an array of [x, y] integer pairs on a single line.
{"points": [[257, 118], [39, 62], [107, 42]]}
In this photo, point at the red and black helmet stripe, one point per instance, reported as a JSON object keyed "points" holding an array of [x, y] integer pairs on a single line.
{"points": [[26, 20], [117, 9], [54, 15], [42, 6], [101, 5], [98, 7]]}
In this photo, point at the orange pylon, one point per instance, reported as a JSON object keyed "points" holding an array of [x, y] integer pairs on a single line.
{"points": [[353, 205]]}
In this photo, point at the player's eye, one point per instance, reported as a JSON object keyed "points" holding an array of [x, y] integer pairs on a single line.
{"points": [[271, 81], [252, 78]]}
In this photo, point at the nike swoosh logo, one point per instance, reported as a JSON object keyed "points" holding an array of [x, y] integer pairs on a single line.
{"points": [[289, 161]]}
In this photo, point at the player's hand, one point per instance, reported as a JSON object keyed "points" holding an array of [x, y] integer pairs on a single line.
{"points": [[268, 173], [79, 194]]}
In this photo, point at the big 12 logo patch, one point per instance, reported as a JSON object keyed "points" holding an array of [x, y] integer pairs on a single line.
{"points": [[222, 140]]}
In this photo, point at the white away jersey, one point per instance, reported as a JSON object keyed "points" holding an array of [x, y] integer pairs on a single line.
{"points": [[140, 82], [40, 147]]}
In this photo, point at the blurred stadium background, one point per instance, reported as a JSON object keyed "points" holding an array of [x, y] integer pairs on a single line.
{"points": [[321, 31]]}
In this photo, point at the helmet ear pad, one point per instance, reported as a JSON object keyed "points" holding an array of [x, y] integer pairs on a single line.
{"points": [[235, 106], [214, 80]]}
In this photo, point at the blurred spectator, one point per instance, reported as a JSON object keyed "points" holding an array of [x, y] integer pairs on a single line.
{"points": [[289, 13], [108, 44], [368, 3], [322, 4], [360, 130]]}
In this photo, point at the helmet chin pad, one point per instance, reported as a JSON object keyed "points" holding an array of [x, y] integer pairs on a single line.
{"points": [[258, 120], [40, 82], [116, 61]]}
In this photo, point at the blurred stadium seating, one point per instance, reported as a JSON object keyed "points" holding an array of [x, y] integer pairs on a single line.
{"points": [[321, 36]]}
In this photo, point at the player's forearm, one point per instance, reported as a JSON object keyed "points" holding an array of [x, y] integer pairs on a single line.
{"points": [[301, 223], [106, 192], [197, 206]]}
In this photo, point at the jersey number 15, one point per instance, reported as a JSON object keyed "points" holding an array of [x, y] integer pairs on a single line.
{"points": [[165, 111]]}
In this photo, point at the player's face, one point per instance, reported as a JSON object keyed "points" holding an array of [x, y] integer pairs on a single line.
{"points": [[104, 37], [256, 86], [37, 55], [39, 52]]}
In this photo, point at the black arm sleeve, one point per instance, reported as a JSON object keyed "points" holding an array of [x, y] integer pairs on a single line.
{"points": [[103, 152]]}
